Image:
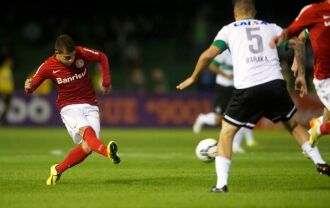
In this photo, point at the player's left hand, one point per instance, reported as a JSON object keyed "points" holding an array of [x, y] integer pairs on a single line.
{"points": [[106, 89], [300, 85], [186, 83]]}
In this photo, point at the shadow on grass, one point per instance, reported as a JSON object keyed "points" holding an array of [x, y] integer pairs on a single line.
{"points": [[157, 181], [145, 181]]}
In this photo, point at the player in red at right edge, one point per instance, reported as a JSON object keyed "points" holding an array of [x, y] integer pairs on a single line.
{"points": [[316, 18], [76, 100]]}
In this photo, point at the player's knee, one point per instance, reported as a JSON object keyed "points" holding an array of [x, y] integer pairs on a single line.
{"points": [[82, 130], [86, 147]]}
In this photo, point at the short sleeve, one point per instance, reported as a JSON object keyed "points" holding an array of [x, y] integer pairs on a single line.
{"points": [[305, 18], [221, 39], [278, 30]]}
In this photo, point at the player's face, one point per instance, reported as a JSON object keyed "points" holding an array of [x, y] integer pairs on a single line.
{"points": [[66, 57]]}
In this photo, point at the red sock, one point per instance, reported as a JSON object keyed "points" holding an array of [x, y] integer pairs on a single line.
{"points": [[94, 143], [77, 155], [325, 128]]}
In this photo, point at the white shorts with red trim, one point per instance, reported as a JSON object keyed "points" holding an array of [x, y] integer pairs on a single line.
{"points": [[79, 115]]}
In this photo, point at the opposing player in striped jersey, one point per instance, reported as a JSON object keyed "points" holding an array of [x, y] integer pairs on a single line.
{"points": [[76, 100], [316, 18], [260, 89], [222, 66]]}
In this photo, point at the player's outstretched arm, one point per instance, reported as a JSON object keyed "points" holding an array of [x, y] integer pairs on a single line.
{"points": [[203, 62]]}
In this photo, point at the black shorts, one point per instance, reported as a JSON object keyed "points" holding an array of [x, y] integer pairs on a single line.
{"points": [[270, 100], [222, 97]]}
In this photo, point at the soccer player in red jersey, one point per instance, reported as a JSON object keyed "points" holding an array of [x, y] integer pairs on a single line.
{"points": [[316, 18], [76, 100]]}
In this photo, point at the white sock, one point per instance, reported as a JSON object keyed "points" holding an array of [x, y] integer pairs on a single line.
{"points": [[313, 153], [238, 138], [222, 166], [208, 118], [248, 134]]}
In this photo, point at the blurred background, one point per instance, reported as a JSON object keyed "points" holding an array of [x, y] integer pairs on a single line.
{"points": [[151, 45]]}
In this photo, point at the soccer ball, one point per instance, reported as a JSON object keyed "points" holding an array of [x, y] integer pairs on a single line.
{"points": [[206, 149]]}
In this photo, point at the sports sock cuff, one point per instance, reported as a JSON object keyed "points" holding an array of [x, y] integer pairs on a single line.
{"points": [[306, 147], [220, 159], [81, 151]]}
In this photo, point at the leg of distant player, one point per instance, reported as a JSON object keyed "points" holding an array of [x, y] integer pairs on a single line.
{"points": [[249, 137], [224, 153], [211, 119], [301, 136], [237, 141], [238, 138]]}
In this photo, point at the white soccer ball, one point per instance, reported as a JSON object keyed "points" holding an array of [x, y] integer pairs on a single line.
{"points": [[206, 149]]}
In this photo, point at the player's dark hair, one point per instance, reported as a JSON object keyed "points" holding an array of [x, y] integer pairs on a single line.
{"points": [[64, 43]]}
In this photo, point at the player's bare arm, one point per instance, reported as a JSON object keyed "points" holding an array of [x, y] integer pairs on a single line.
{"points": [[300, 59], [203, 62], [295, 65], [299, 55]]}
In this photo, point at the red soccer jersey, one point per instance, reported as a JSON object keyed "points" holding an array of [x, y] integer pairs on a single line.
{"points": [[316, 17], [72, 82]]}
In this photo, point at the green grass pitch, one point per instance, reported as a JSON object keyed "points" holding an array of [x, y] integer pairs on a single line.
{"points": [[158, 169]]}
